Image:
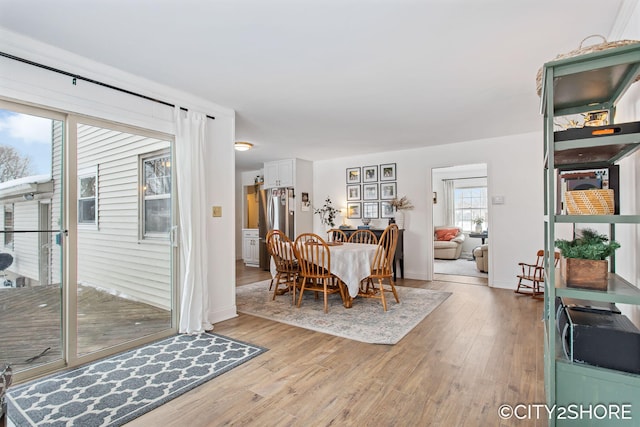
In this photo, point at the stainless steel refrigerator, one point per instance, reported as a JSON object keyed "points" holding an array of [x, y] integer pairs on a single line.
{"points": [[276, 212]]}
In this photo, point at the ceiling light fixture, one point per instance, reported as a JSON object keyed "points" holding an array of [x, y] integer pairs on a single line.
{"points": [[242, 146]]}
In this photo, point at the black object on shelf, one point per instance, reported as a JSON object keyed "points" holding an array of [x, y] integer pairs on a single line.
{"points": [[596, 131], [600, 338]]}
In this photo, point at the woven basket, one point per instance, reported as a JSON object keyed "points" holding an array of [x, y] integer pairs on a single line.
{"points": [[584, 50], [589, 202]]}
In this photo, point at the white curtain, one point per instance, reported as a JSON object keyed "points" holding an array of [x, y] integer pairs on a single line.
{"points": [[190, 172], [449, 213]]}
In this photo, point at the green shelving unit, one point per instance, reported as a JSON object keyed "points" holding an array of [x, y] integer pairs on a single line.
{"points": [[590, 82]]}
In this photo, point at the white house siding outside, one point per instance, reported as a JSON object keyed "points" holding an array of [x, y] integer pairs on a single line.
{"points": [[114, 256], [25, 245], [25, 248], [56, 220]]}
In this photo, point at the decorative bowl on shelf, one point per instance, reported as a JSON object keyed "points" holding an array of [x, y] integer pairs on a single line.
{"points": [[366, 221]]}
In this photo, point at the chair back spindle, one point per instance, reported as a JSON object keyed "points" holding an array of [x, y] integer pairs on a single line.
{"points": [[363, 236], [282, 252], [382, 268], [314, 258], [336, 235]]}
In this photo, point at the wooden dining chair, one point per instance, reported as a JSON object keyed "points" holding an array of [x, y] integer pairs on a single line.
{"points": [[363, 236], [531, 276], [287, 269], [314, 259], [382, 268], [336, 235]]}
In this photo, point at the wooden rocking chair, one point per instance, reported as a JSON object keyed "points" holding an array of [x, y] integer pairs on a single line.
{"points": [[531, 276]]}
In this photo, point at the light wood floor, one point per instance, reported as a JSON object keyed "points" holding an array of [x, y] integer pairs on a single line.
{"points": [[481, 348]]}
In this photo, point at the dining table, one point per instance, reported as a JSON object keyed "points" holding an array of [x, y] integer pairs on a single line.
{"points": [[350, 263]]}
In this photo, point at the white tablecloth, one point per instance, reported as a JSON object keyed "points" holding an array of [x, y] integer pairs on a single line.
{"points": [[350, 262]]}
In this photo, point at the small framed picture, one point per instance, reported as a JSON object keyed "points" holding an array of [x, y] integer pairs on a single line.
{"points": [[388, 190], [353, 210], [370, 191], [353, 175], [386, 210], [388, 172], [306, 203], [370, 173], [370, 209], [353, 192]]}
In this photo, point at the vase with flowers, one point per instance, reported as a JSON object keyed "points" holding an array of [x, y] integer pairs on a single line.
{"points": [[400, 205], [478, 221], [327, 213]]}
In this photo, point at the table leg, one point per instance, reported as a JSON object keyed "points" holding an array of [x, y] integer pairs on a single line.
{"points": [[344, 294]]}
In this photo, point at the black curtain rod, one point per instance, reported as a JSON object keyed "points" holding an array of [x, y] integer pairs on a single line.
{"points": [[86, 79]]}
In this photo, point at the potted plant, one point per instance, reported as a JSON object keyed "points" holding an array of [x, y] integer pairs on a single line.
{"points": [[327, 213], [400, 205], [478, 221], [584, 261]]}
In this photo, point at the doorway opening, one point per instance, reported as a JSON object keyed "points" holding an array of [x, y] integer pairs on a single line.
{"points": [[460, 220]]}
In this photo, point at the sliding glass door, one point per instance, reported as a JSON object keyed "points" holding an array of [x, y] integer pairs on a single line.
{"points": [[31, 234], [86, 256], [123, 194]]}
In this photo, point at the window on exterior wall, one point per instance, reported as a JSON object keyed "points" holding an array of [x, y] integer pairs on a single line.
{"points": [[470, 203], [8, 226], [88, 197], [156, 195]]}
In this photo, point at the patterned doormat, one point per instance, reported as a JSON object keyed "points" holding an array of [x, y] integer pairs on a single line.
{"points": [[113, 391]]}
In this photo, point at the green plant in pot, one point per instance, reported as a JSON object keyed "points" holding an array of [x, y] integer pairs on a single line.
{"points": [[584, 261]]}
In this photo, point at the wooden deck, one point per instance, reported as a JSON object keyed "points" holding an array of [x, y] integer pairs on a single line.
{"points": [[30, 322]]}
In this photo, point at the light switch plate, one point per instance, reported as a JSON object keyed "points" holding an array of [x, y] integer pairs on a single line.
{"points": [[216, 211], [497, 200]]}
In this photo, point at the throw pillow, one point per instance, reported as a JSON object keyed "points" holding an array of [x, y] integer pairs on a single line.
{"points": [[446, 234]]}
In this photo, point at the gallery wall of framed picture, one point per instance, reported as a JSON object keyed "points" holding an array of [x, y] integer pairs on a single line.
{"points": [[370, 190]]}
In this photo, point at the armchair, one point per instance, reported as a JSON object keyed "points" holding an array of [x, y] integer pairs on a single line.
{"points": [[447, 242], [481, 253]]}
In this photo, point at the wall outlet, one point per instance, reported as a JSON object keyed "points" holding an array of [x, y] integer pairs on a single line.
{"points": [[216, 211]]}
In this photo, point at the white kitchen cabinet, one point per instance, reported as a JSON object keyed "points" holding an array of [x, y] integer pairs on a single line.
{"points": [[279, 173], [250, 247]]}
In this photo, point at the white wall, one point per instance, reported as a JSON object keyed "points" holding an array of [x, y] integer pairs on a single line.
{"points": [[514, 166], [25, 83], [627, 262]]}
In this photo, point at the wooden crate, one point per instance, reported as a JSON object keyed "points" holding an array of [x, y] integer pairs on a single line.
{"points": [[585, 273]]}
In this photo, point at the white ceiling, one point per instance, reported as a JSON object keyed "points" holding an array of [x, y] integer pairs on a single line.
{"points": [[333, 78]]}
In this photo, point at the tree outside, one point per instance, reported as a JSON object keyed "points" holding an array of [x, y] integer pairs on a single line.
{"points": [[13, 165]]}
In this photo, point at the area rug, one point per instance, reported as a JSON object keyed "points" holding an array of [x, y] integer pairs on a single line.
{"points": [[116, 390], [365, 321], [458, 267]]}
